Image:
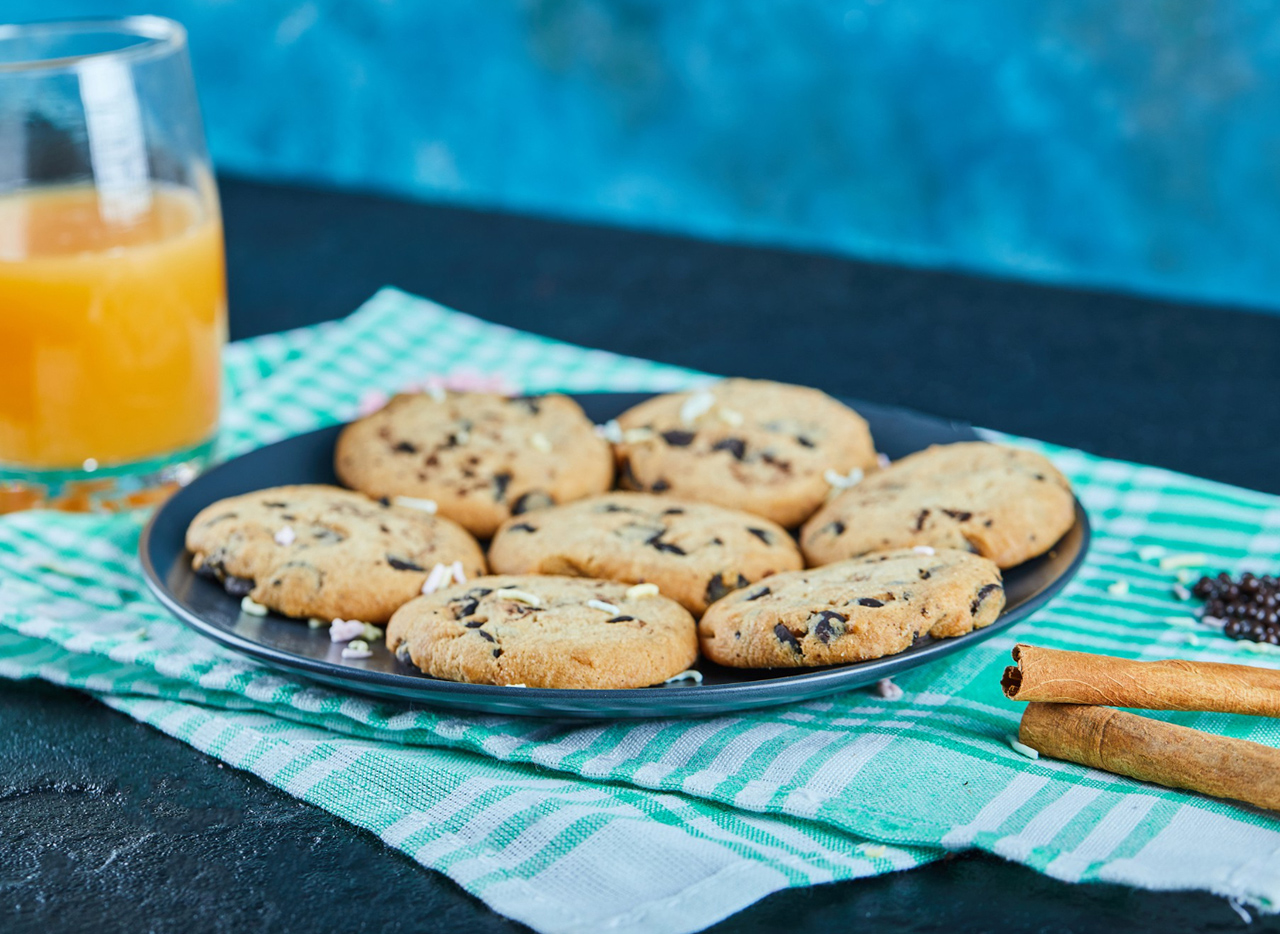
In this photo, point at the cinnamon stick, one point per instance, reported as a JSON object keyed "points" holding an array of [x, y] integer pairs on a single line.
{"points": [[1153, 751], [1060, 677]]}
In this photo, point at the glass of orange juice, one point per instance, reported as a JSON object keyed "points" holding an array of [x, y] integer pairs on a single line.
{"points": [[112, 282]]}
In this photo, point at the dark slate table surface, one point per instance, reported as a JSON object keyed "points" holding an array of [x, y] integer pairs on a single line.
{"points": [[107, 825]]}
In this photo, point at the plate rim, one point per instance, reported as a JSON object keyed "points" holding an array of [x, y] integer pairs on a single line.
{"points": [[720, 698]]}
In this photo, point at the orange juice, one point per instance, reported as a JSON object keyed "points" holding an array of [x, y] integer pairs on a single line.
{"points": [[110, 328]]}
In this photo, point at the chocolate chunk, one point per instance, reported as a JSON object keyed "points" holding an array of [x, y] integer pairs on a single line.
{"points": [[805, 442], [237, 586], [222, 518], [657, 542], [288, 517], [485, 635], [274, 505], [678, 439], [959, 514], [673, 511], [761, 534], [497, 653], [924, 514], [500, 483], [522, 527], [1038, 476], [405, 447], [627, 476], [717, 587], [982, 594], [869, 601], [534, 499], [384, 501], [925, 575], [835, 528], [466, 606], [717, 540], [786, 638], [660, 486], [762, 592], [735, 446], [621, 619], [770, 458], [529, 403], [402, 565], [823, 629], [475, 623], [614, 507]]}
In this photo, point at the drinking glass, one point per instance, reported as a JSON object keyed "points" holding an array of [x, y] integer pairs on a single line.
{"points": [[112, 282]]}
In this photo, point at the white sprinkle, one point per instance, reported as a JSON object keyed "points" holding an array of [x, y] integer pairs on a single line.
{"points": [[1258, 648], [611, 431], [519, 684], [413, 502], [344, 630], [697, 405], [1186, 622], [1216, 622], [687, 675], [638, 591], [1021, 747], [1195, 559], [1187, 576], [874, 850], [1191, 639], [252, 607], [316, 622], [518, 596], [437, 392], [1182, 593], [459, 575], [731, 417], [371, 633], [882, 460], [90, 464], [539, 442], [461, 436], [1239, 909], [402, 652], [603, 607], [1152, 552], [923, 550], [638, 435], [358, 648], [888, 690], [286, 536], [841, 481], [1118, 588], [438, 577]]}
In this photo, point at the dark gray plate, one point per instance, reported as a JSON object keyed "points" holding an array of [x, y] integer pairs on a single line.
{"points": [[289, 645]]}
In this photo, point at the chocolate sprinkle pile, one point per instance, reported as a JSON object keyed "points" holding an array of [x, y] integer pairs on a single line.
{"points": [[1249, 607]]}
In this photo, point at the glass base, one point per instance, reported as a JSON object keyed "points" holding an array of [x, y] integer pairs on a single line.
{"points": [[94, 488]]}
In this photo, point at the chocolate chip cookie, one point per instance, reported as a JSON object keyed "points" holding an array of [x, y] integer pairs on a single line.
{"points": [[769, 448], [852, 611], [479, 458], [546, 632], [1004, 503], [325, 552], [695, 552]]}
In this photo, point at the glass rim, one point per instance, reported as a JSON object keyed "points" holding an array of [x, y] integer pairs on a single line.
{"points": [[160, 36]]}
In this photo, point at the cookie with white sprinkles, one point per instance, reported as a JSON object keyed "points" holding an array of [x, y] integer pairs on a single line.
{"points": [[695, 552], [546, 632], [479, 458], [1004, 503], [764, 447], [325, 552], [854, 610]]}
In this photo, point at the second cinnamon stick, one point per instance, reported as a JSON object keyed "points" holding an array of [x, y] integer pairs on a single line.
{"points": [[1061, 677], [1154, 751]]}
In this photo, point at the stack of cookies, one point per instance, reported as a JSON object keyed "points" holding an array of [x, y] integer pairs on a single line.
{"points": [[750, 521]]}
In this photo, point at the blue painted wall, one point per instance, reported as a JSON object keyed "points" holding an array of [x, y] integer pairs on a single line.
{"points": [[1132, 145]]}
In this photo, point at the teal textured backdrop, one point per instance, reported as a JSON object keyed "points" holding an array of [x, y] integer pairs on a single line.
{"points": [[1132, 145]]}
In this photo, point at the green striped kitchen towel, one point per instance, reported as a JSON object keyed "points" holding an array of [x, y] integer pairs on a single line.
{"points": [[664, 826]]}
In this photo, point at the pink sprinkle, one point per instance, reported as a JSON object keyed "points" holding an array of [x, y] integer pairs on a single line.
{"points": [[371, 401], [344, 630]]}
